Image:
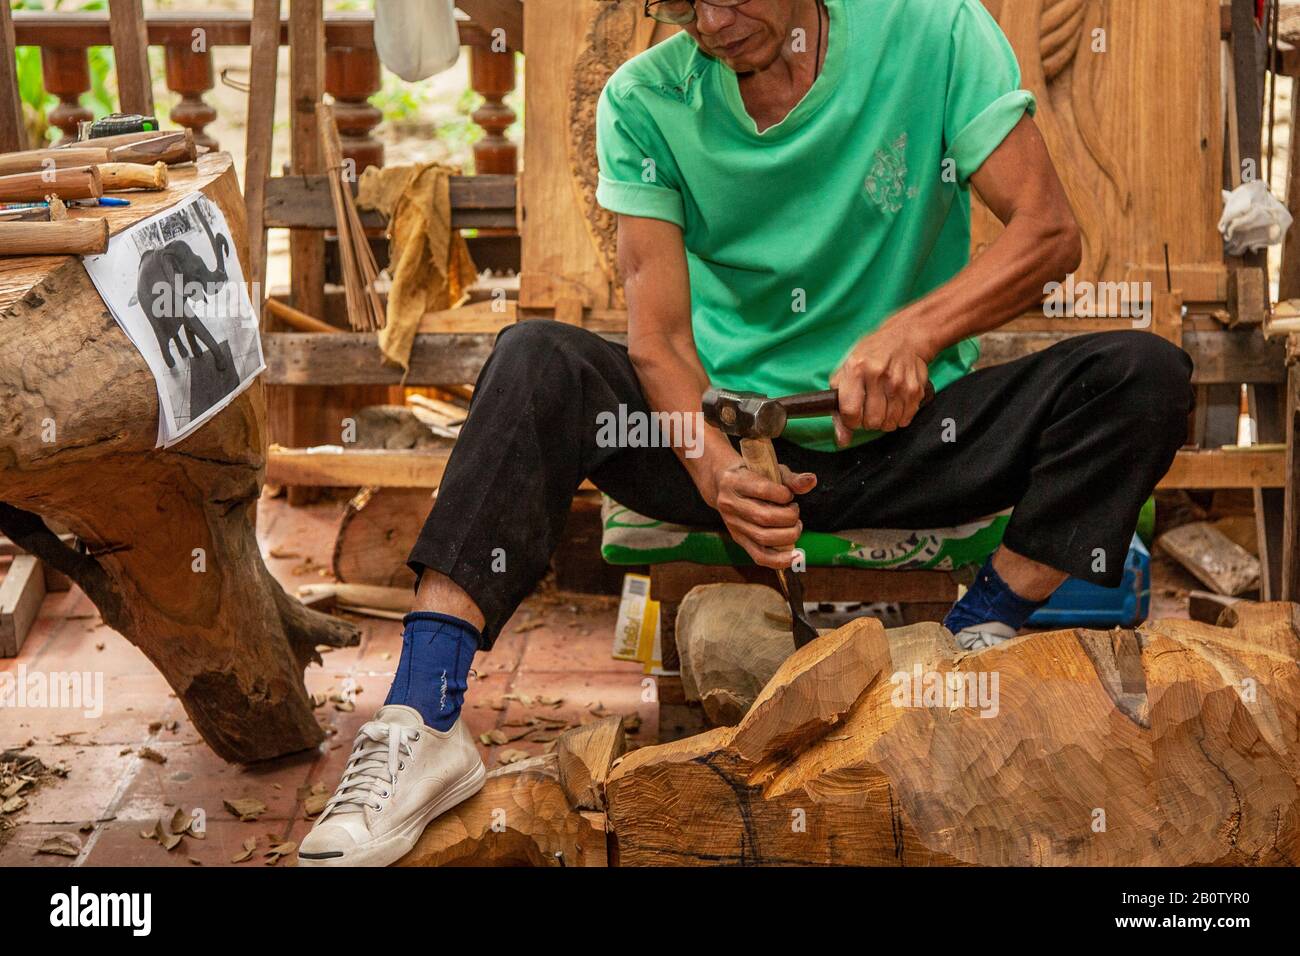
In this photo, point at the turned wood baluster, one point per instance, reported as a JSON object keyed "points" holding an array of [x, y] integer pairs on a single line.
{"points": [[352, 77], [189, 73], [66, 74], [492, 75]]}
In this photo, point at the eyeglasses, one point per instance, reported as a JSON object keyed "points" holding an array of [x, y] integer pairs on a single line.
{"points": [[680, 12]]}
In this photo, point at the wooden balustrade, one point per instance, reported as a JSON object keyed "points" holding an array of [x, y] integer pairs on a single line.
{"points": [[352, 73]]}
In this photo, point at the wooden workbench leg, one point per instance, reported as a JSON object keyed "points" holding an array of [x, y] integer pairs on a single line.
{"points": [[1291, 528]]}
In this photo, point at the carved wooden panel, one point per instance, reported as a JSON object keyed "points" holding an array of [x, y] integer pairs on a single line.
{"points": [[1129, 104]]}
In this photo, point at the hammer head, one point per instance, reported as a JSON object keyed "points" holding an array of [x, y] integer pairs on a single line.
{"points": [[744, 414]]}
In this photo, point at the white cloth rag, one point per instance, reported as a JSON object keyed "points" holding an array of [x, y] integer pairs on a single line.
{"points": [[1252, 218]]}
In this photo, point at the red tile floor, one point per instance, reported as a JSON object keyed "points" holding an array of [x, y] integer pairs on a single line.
{"points": [[556, 646]]}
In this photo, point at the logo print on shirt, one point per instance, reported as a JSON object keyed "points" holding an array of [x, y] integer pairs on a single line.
{"points": [[886, 184]]}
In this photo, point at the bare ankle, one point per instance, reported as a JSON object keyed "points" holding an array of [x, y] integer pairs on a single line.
{"points": [[442, 595]]}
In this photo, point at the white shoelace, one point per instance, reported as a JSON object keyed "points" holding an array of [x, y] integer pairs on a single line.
{"points": [[372, 769]]}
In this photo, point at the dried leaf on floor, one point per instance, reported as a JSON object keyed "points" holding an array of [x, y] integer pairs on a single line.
{"points": [[512, 756], [250, 847], [148, 753], [60, 844], [279, 851], [246, 809], [493, 738]]}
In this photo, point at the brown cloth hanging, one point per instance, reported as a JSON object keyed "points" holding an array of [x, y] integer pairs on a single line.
{"points": [[428, 260]]}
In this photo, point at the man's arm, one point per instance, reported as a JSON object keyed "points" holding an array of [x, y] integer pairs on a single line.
{"points": [[760, 515], [882, 381]]}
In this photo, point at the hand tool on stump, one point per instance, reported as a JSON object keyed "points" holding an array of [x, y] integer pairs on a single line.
{"points": [[756, 419]]}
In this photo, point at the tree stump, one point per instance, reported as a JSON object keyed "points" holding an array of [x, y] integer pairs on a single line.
{"points": [[78, 423], [1175, 744]]}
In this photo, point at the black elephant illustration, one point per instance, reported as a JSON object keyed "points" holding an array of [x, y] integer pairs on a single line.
{"points": [[170, 278]]}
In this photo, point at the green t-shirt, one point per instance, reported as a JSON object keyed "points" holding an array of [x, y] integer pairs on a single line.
{"points": [[805, 237]]}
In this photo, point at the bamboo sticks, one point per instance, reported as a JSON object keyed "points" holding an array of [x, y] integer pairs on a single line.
{"points": [[366, 311]]}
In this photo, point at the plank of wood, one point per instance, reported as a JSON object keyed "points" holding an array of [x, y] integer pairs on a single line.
{"points": [[1223, 469], [353, 358], [21, 593], [1227, 356], [131, 56], [356, 467], [13, 131], [263, 61], [1291, 476], [673, 581], [1212, 558], [303, 202]]}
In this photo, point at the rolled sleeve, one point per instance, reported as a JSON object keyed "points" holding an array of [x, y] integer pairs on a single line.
{"points": [[636, 173], [984, 99]]}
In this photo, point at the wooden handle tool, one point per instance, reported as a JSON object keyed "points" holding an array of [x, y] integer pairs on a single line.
{"points": [[78, 182], [69, 237], [40, 160], [119, 176]]}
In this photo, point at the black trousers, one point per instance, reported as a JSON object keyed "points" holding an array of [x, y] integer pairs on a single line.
{"points": [[1074, 438]]}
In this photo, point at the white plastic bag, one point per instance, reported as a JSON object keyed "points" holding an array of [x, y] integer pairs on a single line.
{"points": [[1252, 218], [416, 38]]}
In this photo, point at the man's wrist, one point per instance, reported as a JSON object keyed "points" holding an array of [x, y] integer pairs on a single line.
{"points": [[919, 335]]}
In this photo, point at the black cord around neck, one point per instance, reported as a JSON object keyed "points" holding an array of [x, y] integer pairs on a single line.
{"points": [[817, 63]]}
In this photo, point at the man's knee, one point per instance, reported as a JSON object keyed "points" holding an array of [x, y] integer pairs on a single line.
{"points": [[1155, 376], [533, 340]]}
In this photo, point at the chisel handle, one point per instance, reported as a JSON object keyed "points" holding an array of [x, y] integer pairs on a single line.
{"points": [[119, 176], [760, 456]]}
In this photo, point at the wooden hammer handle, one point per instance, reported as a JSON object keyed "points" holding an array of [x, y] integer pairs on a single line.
{"points": [[78, 182], [69, 237], [118, 176]]}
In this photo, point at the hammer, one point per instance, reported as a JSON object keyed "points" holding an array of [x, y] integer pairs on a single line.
{"points": [[756, 419]]}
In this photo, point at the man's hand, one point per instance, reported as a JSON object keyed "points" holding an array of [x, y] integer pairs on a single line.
{"points": [[881, 383], [761, 515]]}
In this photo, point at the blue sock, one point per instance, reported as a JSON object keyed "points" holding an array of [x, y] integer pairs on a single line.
{"points": [[990, 599], [433, 673]]}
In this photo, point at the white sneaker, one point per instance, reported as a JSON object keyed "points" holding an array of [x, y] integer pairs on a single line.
{"points": [[980, 636], [400, 776]]}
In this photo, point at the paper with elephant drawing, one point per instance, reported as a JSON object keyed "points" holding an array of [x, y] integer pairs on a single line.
{"points": [[175, 286]]}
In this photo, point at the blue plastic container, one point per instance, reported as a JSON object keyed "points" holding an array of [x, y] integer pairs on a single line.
{"points": [[1079, 603]]}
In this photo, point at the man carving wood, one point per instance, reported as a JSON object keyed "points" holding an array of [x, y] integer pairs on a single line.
{"points": [[792, 182]]}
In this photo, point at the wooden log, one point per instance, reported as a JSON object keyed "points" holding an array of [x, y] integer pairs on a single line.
{"points": [[1175, 744], [521, 817], [68, 237], [120, 176], [74, 182], [172, 560], [376, 535], [731, 639]]}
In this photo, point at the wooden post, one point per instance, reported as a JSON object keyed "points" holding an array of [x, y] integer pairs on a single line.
{"points": [[492, 75], [66, 74], [131, 56], [1291, 508], [352, 77], [13, 134], [189, 73], [263, 59]]}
